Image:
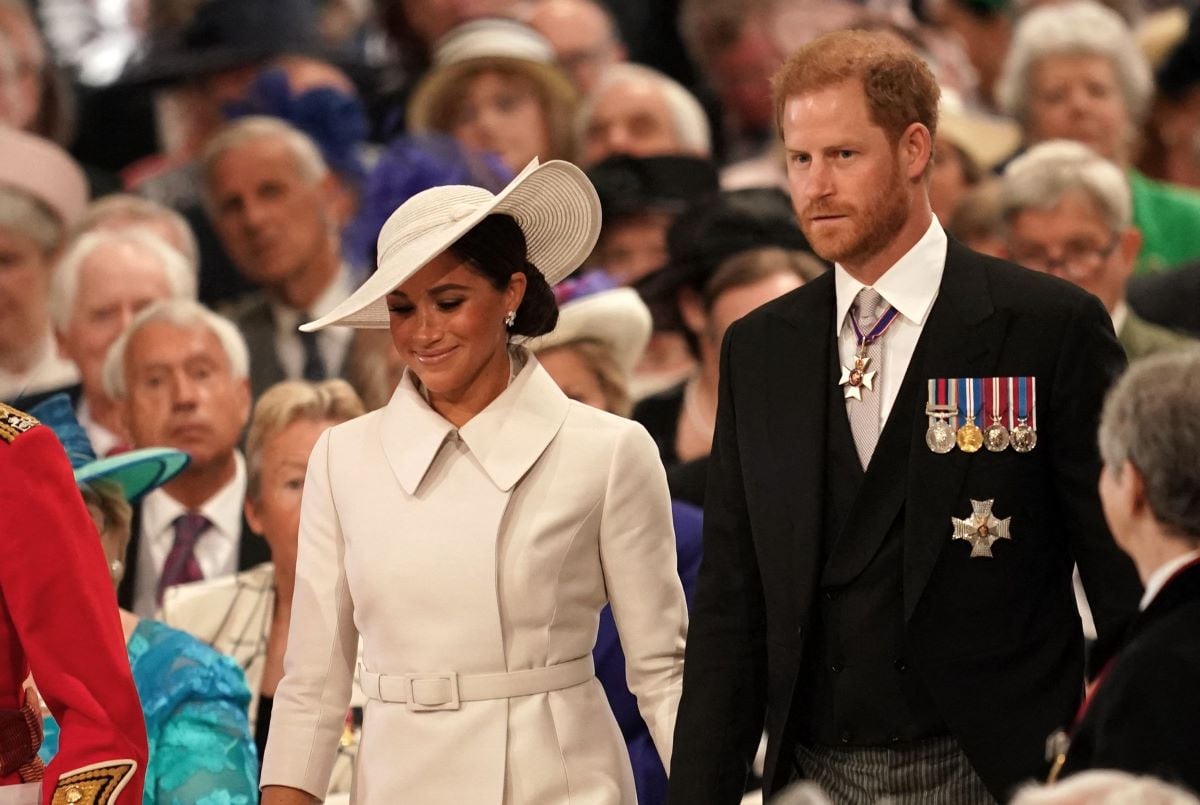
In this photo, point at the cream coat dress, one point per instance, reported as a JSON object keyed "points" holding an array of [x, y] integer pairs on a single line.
{"points": [[486, 549]]}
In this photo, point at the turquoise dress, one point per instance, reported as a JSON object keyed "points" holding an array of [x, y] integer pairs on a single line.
{"points": [[195, 701]]}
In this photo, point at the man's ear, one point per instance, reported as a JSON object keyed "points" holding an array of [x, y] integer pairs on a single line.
{"points": [[1133, 487], [1128, 246], [916, 147]]}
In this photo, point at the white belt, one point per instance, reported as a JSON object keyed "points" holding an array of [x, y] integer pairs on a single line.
{"points": [[445, 691]]}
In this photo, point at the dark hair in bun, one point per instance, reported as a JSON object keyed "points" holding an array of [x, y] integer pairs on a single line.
{"points": [[495, 248]]}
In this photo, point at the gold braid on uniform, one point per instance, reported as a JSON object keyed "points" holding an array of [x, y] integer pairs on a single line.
{"points": [[97, 784], [13, 423]]}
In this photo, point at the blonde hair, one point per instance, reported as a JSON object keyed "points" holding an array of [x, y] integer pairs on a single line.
{"points": [[108, 498], [288, 402]]}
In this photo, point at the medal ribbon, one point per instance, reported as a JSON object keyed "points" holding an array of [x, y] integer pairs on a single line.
{"points": [[993, 409], [1023, 400], [1032, 402], [970, 391], [881, 326], [1012, 402], [952, 389]]}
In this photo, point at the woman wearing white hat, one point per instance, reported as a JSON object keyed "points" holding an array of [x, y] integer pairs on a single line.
{"points": [[472, 530]]}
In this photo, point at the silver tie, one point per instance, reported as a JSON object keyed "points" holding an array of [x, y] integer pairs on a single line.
{"points": [[864, 413]]}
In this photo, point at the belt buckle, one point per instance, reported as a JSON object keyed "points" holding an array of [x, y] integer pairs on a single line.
{"points": [[426, 692]]}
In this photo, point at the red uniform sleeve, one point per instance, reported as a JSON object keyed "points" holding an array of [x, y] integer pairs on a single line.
{"points": [[59, 615]]}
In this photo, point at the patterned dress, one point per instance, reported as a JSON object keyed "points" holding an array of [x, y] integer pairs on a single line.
{"points": [[195, 702]]}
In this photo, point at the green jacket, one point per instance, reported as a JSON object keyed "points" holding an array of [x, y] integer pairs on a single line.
{"points": [[1169, 218], [1141, 338]]}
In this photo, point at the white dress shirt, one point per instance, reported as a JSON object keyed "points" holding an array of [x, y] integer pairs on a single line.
{"points": [[332, 342], [910, 286], [216, 549], [1159, 578], [103, 440]]}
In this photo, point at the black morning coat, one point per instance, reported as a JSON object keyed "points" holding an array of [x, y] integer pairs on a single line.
{"points": [[1144, 715], [997, 642]]}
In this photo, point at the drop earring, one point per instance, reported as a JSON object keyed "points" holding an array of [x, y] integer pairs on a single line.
{"points": [[510, 319]]}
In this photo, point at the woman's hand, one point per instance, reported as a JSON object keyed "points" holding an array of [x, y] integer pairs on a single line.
{"points": [[283, 795]]}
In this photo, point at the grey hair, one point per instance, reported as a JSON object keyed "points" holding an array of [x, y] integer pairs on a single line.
{"points": [[310, 165], [64, 284], [21, 212], [184, 313], [106, 211], [1151, 419], [691, 124], [1104, 787], [1040, 177], [1078, 27]]}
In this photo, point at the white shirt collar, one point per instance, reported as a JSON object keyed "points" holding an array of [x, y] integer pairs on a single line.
{"points": [[1159, 578], [223, 510], [1120, 315], [103, 440], [910, 285]]}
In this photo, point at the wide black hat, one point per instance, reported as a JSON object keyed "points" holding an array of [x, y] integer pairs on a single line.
{"points": [[632, 185], [221, 35], [718, 227]]}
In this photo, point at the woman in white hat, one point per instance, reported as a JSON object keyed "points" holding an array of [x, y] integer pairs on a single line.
{"points": [[494, 87], [472, 530]]}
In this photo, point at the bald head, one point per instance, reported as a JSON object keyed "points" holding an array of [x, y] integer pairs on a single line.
{"points": [[584, 37]]}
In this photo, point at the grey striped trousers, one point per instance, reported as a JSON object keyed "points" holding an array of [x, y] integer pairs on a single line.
{"points": [[934, 771]]}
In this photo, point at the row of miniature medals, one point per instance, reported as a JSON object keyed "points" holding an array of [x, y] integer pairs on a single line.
{"points": [[973, 413]]}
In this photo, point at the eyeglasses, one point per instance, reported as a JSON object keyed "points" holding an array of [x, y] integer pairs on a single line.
{"points": [[1077, 261]]}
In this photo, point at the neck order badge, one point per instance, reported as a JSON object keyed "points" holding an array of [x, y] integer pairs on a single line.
{"points": [[855, 378]]}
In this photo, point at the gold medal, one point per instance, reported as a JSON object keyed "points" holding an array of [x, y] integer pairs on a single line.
{"points": [[969, 436]]}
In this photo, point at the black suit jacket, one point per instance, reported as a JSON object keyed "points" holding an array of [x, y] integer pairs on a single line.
{"points": [[996, 642], [1144, 715], [252, 550]]}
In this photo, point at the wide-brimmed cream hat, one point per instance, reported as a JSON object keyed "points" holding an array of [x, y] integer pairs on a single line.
{"points": [[498, 42], [986, 139], [554, 204], [618, 320]]}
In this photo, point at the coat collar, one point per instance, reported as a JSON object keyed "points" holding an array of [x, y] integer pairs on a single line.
{"points": [[507, 437]]}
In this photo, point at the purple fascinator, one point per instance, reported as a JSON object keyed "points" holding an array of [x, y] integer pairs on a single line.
{"points": [[336, 121], [410, 165]]}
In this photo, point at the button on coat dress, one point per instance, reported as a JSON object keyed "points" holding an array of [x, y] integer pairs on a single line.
{"points": [[487, 549]]}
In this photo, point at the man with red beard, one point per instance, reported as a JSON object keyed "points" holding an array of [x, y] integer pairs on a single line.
{"points": [[903, 476]]}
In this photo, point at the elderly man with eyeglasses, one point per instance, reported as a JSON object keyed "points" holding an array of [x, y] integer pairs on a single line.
{"points": [[1068, 212]]}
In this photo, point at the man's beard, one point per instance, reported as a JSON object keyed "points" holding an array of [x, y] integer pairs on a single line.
{"points": [[871, 229]]}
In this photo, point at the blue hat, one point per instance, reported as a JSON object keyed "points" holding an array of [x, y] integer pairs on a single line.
{"points": [[137, 471]]}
